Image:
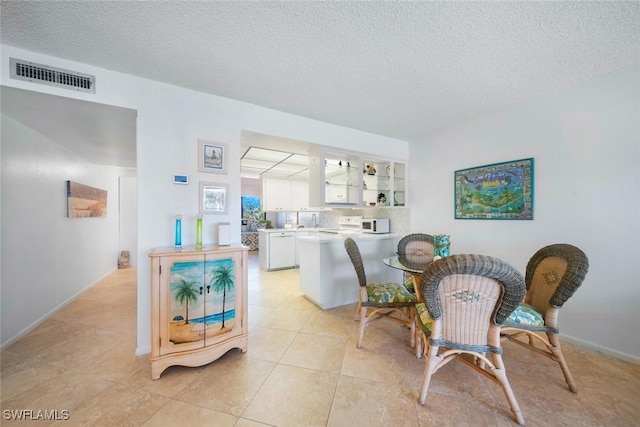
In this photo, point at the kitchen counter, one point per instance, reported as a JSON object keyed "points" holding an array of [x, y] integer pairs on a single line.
{"points": [[327, 276]]}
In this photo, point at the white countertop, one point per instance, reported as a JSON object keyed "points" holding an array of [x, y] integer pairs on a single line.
{"points": [[330, 238], [280, 230]]}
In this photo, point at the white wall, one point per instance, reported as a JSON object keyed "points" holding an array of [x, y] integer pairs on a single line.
{"points": [[48, 258], [170, 122], [586, 146]]}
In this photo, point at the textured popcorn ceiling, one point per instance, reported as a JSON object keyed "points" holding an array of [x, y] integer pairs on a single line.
{"points": [[399, 69]]}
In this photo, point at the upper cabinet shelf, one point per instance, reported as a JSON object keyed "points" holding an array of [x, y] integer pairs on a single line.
{"points": [[344, 179]]}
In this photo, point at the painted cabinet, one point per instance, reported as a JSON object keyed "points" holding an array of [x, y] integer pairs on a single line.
{"points": [[198, 305]]}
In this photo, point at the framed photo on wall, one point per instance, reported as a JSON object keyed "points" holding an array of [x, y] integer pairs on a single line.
{"points": [[212, 156], [496, 191], [213, 198]]}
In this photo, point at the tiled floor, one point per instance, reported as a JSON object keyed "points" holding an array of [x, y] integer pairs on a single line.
{"points": [[302, 368]]}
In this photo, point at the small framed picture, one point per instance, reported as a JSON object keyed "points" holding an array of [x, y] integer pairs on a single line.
{"points": [[212, 156], [213, 198], [181, 179]]}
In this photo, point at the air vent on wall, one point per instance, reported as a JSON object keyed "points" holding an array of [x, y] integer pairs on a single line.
{"points": [[44, 74]]}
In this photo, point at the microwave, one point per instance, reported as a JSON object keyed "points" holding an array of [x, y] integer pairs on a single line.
{"points": [[378, 226]]}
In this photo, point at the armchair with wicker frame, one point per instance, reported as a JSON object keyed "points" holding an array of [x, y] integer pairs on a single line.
{"points": [[552, 276], [466, 300], [389, 301]]}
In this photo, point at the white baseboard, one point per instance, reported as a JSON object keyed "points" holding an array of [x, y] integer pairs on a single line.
{"points": [[605, 350], [141, 351]]}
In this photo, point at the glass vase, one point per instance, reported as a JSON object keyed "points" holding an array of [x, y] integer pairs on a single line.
{"points": [[199, 232], [177, 243]]}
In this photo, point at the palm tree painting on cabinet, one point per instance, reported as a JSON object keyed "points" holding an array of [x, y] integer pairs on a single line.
{"points": [[201, 292]]}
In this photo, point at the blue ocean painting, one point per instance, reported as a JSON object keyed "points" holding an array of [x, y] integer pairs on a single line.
{"points": [[215, 318]]}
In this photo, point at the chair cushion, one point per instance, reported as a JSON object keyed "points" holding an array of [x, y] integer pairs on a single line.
{"points": [[383, 293], [524, 314], [423, 317], [408, 283]]}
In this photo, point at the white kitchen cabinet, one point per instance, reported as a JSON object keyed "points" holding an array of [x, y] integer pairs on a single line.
{"points": [[346, 179], [334, 179], [277, 249], [284, 195], [383, 183]]}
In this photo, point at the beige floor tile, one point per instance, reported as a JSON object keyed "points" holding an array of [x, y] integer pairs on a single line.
{"points": [[65, 391], [243, 422], [119, 405], [360, 402], [376, 363], [269, 344], [290, 320], [293, 397], [173, 380], [26, 376], [442, 409], [177, 413], [319, 352], [332, 322], [228, 384]]}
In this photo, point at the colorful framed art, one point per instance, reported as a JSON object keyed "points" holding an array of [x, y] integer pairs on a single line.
{"points": [[496, 191]]}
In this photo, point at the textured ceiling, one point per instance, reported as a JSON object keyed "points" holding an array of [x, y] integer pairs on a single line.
{"points": [[401, 69]]}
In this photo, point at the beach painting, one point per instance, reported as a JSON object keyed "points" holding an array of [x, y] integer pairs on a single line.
{"points": [[496, 191], [202, 302], [84, 201]]}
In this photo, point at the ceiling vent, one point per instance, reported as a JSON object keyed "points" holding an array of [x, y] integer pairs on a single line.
{"points": [[44, 74]]}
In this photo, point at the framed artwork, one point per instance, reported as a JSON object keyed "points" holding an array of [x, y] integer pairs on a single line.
{"points": [[212, 156], [84, 201], [496, 191], [213, 198]]}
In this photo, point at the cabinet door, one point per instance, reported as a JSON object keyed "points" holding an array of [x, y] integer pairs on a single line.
{"points": [[182, 303], [223, 286], [276, 194], [342, 180], [299, 195]]}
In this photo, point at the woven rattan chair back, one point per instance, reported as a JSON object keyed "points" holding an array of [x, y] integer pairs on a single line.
{"points": [[468, 297], [356, 259], [553, 275], [417, 244]]}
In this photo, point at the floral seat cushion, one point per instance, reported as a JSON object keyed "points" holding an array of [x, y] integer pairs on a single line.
{"points": [[524, 314], [423, 317], [384, 293]]}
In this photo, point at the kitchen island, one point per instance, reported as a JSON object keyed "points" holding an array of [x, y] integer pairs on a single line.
{"points": [[327, 276]]}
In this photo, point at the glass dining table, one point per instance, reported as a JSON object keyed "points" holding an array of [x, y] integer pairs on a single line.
{"points": [[413, 264]]}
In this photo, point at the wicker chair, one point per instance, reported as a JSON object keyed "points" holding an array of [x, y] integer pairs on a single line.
{"points": [[553, 274], [467, 298], [386, 300], [417, 244], [416, 248]]}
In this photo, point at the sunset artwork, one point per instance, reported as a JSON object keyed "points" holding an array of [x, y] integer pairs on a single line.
{"points": [[84, 201]]}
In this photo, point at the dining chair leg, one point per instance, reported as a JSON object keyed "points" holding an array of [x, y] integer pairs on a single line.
{"points": [[363, 325], [555, 348], [429, 369]]}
